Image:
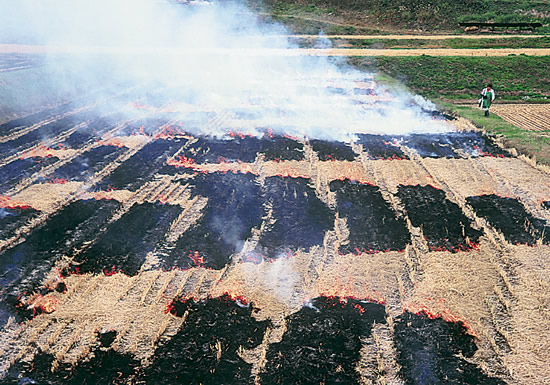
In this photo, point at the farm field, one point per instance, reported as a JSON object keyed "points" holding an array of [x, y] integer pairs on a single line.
{"points": [[532, 117], [248, 206], [117, 242]]}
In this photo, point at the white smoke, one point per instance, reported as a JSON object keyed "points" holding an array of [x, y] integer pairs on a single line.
{"points": [[219, 57]]}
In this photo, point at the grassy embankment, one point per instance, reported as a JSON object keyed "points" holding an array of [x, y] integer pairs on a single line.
{"points": [[447, 80], [516, 78], [364, 16], [533, 144]]}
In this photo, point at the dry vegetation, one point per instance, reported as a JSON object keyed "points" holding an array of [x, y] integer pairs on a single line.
{"points": [[498, 290]]}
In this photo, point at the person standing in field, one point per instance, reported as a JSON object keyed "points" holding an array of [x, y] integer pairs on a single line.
{"points": [[487, 98]]}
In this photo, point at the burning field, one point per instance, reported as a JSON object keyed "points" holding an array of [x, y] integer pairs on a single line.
{"points": [[136, 251], [260, 220]]}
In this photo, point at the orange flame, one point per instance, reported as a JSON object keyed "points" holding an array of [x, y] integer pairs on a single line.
{"points": [[39, 152], [58, 181], [113, 141], [181, 161], [437, 309], [170, 133], [7, 203]]}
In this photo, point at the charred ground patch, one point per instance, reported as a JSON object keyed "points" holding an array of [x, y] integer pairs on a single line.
{"points": [[23, 266], [205, 350], [509, 216], [212, 150], [300, 217], [322, 343], [234, 207], [281, 148], [453, 145], [444, 225], [115, 368], [332, 150], [381, 146], [430, 351], [143, 165], [47, 131], [25, 121], [12, 218], [87, 164], [373, 225], [546, 205], [124, 244], [19, 169]]}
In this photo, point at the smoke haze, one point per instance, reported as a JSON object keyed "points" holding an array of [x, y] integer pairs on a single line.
{"points": [[208, 58]]}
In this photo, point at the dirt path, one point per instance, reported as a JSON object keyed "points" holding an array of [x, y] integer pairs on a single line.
{"points": [[36, 49], [415, 37]]}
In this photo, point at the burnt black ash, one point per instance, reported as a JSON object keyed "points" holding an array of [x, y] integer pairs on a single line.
{"points": [[125, 243], [139, 169], [509, 216], [14, 172], [372, 223], [453, 145], [332, 150], [429, 352], [381, 146], [12, 218], [102, 367], [86, 165], [322, 343], [282, 148], [546, 205], [106, 337], [301, 218], [212, 150], [29, 120], [24, 266], [50, 130], [234, 207], [443, 223], [205, 350]]}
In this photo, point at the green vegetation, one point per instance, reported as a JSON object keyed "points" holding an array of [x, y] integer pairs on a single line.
{"points": [[531, 143], [513, 77], [417, 14], [457, 43]]}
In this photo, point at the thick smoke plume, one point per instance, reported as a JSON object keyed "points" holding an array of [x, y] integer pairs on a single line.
{"points": [[207, 57]]}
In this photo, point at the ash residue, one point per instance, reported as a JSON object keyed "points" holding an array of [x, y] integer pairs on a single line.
{"points": [[205, 350], [332, 150], [50, 130], [13, 218], [24, 266], [430, 351], [453, 145], [100, 367], [143, 165], [234, 207], [322, 343], [212, 150], [509, 216], [381, 146], [373, 225], [19, 169], [443, 223], [301, 218], [87, 164], [282, 148], [125, 243]]}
